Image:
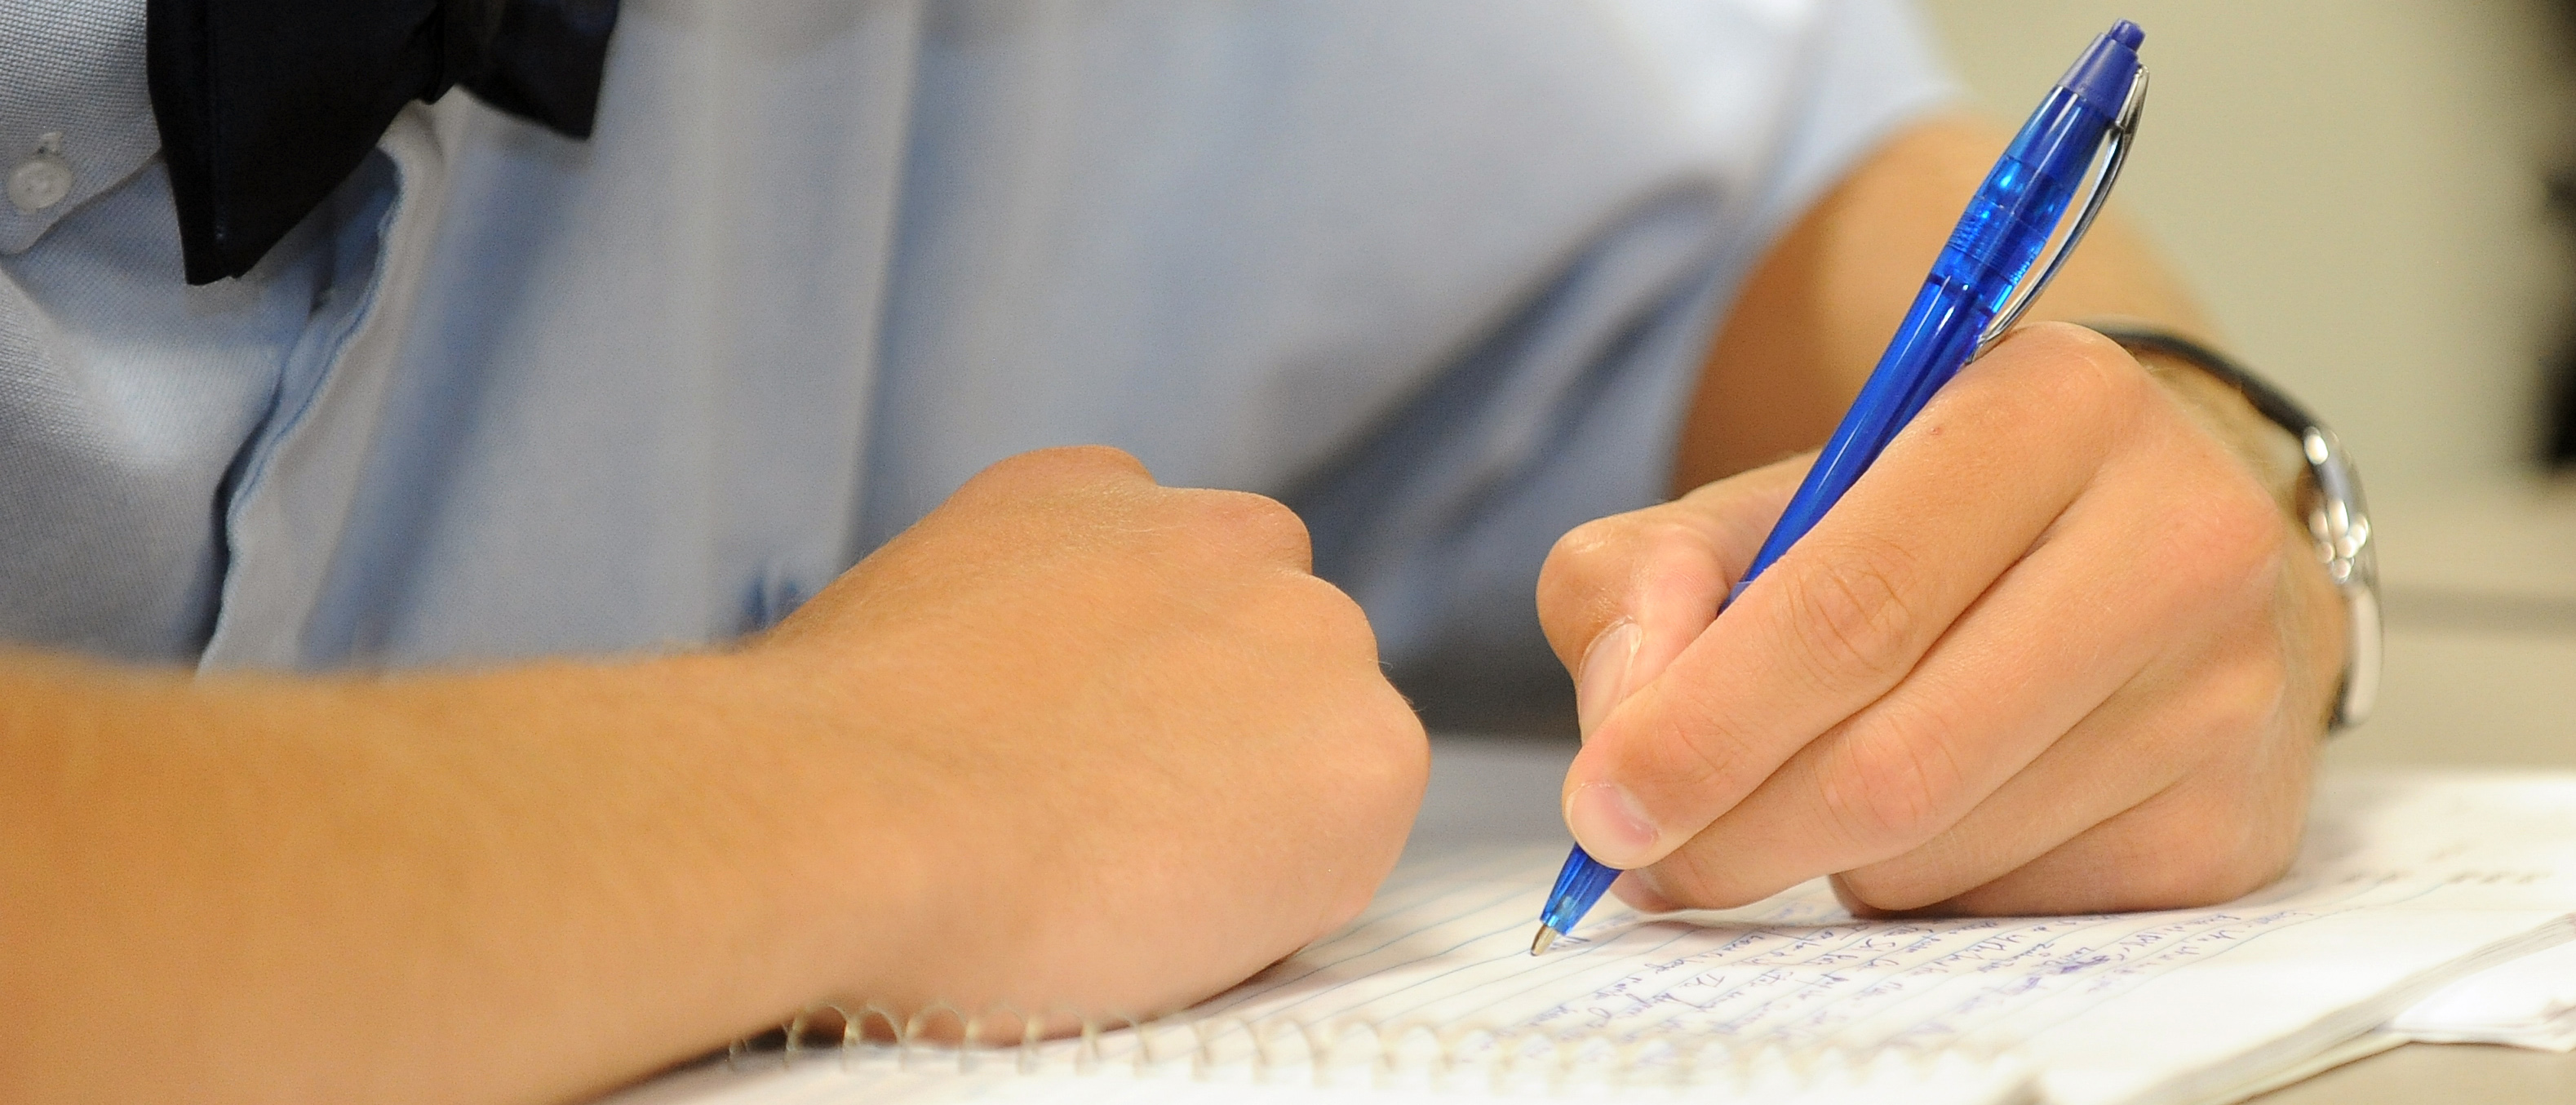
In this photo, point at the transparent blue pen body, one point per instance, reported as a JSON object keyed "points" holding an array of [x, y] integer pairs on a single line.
{"points": [[2001, 235], [2006, 226], [1579, 883]]}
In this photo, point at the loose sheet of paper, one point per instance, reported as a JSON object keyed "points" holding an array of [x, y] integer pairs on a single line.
{"points": [[2529, 1002], [2406, 883]]}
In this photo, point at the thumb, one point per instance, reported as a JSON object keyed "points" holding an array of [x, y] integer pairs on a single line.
{"points": [[1624, 596]]}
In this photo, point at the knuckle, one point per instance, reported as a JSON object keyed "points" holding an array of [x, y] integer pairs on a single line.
{"points": [[2070, 344], [1889, 791], [1853, 610], [1604, 566], [1574, 563], [2084, 363], [1310, 643], [1269, 517], [1610, 547], [1570, 586], [1067, 475], [1393, 760], [1593, 539], [1255, 521], [2227, 544], [1372, 781], [1594, 557], [1070, 462], [1336, 619], [2244, 699], [2081, 379], [2241, 517]]}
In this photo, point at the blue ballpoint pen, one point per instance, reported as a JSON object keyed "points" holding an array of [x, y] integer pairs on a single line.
{"points": [[1974, 294]]}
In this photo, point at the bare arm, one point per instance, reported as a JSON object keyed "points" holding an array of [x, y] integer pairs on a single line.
{"points": [[515, 886], [941, 779]]}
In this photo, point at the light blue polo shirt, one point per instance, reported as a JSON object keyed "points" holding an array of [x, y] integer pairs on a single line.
{"points": [[1437, 272]]}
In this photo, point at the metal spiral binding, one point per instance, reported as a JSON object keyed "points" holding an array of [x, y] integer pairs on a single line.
{"points": [[1271, 1049]]}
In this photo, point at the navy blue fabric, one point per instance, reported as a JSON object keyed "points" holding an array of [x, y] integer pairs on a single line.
{"points": [[266, 106]]}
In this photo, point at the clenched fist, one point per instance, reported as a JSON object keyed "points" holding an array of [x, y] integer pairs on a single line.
{"points": [[1151, 753]]}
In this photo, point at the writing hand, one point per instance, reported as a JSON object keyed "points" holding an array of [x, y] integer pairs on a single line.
{"points": [[2058, 651]]}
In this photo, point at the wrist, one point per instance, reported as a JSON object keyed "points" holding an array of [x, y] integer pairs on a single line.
{"points": [[859, 848], [2266, 450], [2304, 468]]}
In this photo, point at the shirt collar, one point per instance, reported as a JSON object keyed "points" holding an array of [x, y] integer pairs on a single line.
{"points": [[75, 110]]}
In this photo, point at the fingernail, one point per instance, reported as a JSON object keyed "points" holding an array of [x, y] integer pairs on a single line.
{"points": [[1604, 680], [1610, 825]]}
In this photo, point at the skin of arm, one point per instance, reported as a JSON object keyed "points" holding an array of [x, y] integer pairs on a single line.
{"points": [[1053, 746], [2062, 649]]}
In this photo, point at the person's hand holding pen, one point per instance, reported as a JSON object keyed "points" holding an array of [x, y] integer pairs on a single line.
{"points": [[2061, 649], [2091, 678]]}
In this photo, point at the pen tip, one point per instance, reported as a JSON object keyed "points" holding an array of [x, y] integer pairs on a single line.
{"points": [[1546, 936]]}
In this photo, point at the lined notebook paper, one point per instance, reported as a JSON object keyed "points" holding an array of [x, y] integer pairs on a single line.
{"points": [[2407, 883]]}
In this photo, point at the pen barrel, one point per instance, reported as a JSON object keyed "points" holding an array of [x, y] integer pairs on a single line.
{"points": [[2022, 200], [1579, 884], [2002, 233], [2010, 221]]}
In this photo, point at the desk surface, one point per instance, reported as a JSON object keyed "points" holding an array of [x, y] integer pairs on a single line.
{"points": [[2450, 1073], [1503, 790]]}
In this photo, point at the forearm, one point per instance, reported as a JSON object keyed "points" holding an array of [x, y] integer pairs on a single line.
{"points": [[1073, 742], [511, 886]]}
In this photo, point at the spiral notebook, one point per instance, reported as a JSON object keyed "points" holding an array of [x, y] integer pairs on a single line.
{"points": [[2407, 884]]}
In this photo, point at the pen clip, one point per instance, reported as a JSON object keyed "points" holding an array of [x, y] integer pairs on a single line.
{"points": [[2124, 130]]}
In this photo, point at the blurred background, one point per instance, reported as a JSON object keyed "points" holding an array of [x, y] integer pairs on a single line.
{"points": [[2362, 192]]}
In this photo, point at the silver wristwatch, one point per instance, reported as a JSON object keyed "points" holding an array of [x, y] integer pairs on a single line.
{"points": [[2332, 501]]}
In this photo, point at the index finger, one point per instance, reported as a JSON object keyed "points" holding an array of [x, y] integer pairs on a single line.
{"points": [[1843, 616]]}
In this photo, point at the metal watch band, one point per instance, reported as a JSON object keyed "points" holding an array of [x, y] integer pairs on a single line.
{"points": [[2335, 514]]}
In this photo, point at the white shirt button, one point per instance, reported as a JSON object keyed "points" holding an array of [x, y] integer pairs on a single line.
{"points": [[42, 180]]}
